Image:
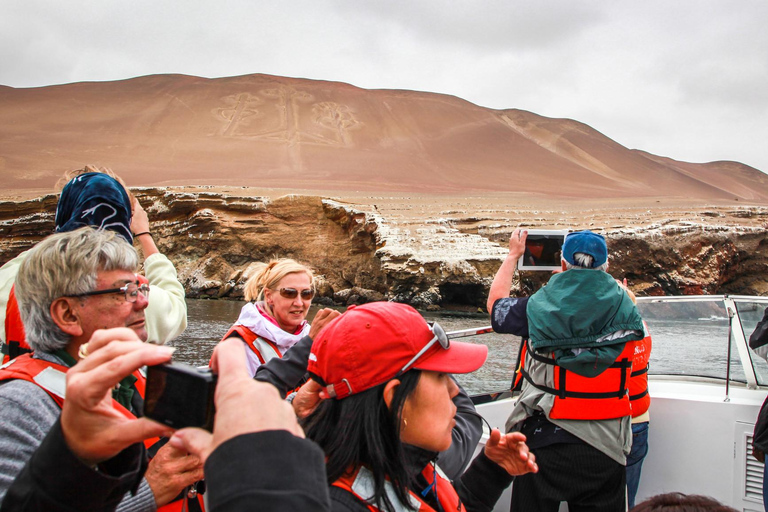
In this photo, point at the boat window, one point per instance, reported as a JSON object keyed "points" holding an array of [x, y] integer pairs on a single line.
{"points": [[750, 313], [690, 338]]}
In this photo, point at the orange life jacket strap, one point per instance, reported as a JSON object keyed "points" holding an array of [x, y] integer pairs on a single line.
{"points": [[564, 393]]}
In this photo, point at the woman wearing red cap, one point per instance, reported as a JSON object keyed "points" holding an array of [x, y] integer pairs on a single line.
{"points": [[386, 376]]}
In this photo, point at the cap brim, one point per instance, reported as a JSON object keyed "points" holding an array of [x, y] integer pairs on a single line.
{"points": [[461, 357]]}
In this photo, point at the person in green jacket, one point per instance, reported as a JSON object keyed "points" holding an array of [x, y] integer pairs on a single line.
{"points": [[578, 342]]}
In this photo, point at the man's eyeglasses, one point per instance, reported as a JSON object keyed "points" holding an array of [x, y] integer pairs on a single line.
{"points": [[292, 293], [130, 290], [439, 337]]}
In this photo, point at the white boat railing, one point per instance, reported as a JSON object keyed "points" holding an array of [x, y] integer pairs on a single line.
{"points": [[737, 336]]}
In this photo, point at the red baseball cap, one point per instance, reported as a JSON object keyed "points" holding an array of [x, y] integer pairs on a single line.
{"points": [[370, 344]]}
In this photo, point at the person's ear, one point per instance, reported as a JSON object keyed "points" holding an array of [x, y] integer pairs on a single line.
{"points": [[389, 391], [65, 314]]}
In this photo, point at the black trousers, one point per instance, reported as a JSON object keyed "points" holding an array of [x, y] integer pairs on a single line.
{"points": [[585, 477]]}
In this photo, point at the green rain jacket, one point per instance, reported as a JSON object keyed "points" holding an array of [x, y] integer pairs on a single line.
{"points": [[585, 318]]}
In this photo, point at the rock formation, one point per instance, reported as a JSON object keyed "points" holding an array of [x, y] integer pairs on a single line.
{"points": [[401, 195], [365, 252]]}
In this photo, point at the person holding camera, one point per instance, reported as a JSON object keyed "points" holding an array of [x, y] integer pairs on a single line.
{"points": [[70, 285], [279, 294], [93, 454], [579, 333]]}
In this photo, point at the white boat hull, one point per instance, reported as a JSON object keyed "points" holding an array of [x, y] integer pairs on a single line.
{"points": [[698, 442]]}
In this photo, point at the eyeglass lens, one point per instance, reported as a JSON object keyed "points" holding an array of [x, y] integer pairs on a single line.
{"points": [[132, 291], [292, 293]]}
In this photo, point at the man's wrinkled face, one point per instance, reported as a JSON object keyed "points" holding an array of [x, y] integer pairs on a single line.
{"points": [[112, 309]]}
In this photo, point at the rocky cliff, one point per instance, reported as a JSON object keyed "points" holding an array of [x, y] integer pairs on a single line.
{"points": [[372, 251]]}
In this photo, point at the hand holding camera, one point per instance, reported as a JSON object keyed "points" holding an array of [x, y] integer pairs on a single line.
{"points": [[95, 431], [243, 405]]}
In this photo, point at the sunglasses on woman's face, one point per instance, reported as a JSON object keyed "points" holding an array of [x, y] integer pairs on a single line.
{"points": [[292, 293]]}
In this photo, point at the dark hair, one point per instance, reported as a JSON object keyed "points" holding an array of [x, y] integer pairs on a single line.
{"points": [[360, 429], [679, 502]]}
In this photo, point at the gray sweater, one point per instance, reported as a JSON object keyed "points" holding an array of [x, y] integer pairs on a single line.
{"points": [[27, 413]]}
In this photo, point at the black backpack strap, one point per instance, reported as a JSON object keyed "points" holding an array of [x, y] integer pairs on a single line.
{"points": [[13, 349]]}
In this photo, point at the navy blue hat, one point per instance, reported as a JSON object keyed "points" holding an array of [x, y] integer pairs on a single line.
{"points": [[94, 199], [588, 243]]}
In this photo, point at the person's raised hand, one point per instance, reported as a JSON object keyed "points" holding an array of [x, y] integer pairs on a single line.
{"points": [[139, 219], [511, 453], [322, 318], [307, 398], [93, 428], [243, 405], [517, 243]]}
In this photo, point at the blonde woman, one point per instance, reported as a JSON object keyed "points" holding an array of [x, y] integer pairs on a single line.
{"points": [[279, 294]]}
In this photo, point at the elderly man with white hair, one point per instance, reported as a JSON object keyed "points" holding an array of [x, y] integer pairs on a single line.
{"points": [[69, 286]]}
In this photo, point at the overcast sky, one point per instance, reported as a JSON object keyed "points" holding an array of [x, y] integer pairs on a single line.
{"points": [[686, 79]]}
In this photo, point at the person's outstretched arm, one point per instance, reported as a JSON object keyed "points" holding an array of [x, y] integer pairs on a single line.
{"points": [[257, 453], [502, 282], [166, 313]]}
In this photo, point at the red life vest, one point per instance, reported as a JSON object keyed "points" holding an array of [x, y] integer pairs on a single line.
{"points": [[638, 380], [602, 397], [15, 337], [360, 483], [51, 378], [262, 347]]}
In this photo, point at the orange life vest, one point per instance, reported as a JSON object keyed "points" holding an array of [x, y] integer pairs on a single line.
{"points": [[604, 396], [360, 483], [51, 378], [262, 347], [15, 337], [638, 380]]}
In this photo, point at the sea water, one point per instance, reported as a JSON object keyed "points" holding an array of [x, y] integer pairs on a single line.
{"points": [[688, 339]]}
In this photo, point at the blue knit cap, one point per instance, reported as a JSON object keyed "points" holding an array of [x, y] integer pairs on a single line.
{"points": [[588, 243], [94, 199]]}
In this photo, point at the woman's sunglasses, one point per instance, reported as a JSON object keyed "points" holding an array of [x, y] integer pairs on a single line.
{"points": [[292, 293]]}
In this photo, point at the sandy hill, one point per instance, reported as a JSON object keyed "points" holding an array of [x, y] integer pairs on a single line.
{"points": [[267, 131]]}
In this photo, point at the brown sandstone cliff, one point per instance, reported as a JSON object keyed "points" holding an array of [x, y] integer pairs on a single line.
{"points": [[369, 252]]}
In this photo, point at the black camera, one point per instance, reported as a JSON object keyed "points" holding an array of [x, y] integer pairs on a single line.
{"points": [[180, 395]]}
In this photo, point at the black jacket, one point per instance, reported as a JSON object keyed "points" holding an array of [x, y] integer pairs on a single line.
{"points": [[265, 471], [54, 479]]}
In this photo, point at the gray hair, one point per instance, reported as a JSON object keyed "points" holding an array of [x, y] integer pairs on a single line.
{"points": [[62, 265], [584, 260]]}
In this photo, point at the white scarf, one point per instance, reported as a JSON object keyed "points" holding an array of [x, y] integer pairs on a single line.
{"points": [[252, 318]]}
